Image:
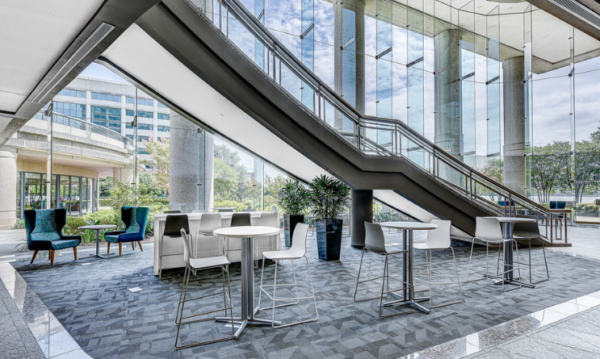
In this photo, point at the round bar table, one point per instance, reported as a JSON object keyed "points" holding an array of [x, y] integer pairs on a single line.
{"points": [[408, 295], [508, 226], [247, 235], [98, 228]]}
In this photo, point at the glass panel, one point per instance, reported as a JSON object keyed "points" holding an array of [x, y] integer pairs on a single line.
{"points": [[415, 77], [19, 193], [65, 192], [75, 198], [384, 59], [32, 196], [348, 43], [493, 83]]}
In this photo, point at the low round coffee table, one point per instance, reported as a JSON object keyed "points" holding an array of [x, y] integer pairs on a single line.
{"points": [[98, 228]]}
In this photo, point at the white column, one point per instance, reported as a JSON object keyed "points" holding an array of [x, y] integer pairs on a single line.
{"points": [[8, 183]]}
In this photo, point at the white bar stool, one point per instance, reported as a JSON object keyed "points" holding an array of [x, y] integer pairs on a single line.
{"points": [[296, 251], [439, 239], [375, 243], [195, 264]]}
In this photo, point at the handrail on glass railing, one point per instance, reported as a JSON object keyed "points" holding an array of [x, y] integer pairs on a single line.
{"points": [[89, 127], [357, 131]]}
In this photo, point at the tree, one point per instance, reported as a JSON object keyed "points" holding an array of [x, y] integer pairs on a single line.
{"points": [[147, 182], [106, 184], [159, 161], [494, 169], [549, 169]]}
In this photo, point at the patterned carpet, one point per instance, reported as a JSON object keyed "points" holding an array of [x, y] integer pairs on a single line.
{"points": [[108, 321]]}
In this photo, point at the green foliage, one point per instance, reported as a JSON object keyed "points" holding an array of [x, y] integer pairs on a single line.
{"points": [[328, 197], [105, 184], [293, 197], [101, 217], [20, 224], [160, 162], [147, 183], [587, 209]]}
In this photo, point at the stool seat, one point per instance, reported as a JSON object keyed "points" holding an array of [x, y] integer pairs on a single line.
{"points": [[208, 262]]}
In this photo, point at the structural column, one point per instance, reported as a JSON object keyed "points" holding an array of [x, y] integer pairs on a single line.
{"points": [[514, 124], [191, 167], [8, 184], [362, 211], [123, 175], [447, 91]]}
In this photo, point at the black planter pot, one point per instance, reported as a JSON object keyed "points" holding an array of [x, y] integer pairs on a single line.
{"points": [[329, 239], [289, 224]]}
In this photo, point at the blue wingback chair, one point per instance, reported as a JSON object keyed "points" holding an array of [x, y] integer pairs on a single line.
{"points": [[135, 219], [44, 232]]}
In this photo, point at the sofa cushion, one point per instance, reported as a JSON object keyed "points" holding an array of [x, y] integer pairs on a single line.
{"points": [[113, 238], [65, 243], [45, 227]]}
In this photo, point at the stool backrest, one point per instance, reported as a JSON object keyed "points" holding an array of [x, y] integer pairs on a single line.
{"points": [[240, 220], [209, 222], [488, 229], [175, 223], [527, 229], [299, 239], [439, 237], [374, 238], [269, 219], [185, 238]]}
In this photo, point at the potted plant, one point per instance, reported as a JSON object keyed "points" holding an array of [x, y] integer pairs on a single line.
{"points": [[328, 198], [293, 198]]}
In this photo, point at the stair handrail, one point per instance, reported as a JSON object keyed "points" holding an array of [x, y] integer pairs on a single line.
{"points": [[361, 121]]}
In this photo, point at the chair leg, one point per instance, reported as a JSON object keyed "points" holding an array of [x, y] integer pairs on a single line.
{"points": [[107, 247], [75, 252], [185, 273], [51, 257], [33, 258], [140, 244], [133, 246], [470, 257], [431, 284], [120, 248], [359, 269]]}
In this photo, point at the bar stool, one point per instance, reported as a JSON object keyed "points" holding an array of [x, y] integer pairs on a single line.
{"points": [[439, 239], [296, 251], [268, 219], [195, 264], [173, 226], [489, 232], [526, 232], [375, 243]]}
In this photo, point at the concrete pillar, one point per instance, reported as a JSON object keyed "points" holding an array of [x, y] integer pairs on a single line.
{"points": [[191, 170], [362, 211], [514, 124], [123, 175], [8, 183], [447, 91], [358, 47]]}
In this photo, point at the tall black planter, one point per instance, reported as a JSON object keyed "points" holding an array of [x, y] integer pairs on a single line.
{"points": [[289, 224], [329, 239]]}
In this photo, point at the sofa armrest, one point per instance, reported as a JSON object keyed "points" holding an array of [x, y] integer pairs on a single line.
{"points": [[71, 237]]}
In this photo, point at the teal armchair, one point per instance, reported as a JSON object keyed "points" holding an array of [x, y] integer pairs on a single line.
{"points": [[43, 228], [135, 219]]}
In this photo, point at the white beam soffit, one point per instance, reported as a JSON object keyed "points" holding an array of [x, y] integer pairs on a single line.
{"points": [[34, 35], [137, 54]]}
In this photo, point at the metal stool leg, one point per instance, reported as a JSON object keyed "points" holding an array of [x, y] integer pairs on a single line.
{"points": [[442, 283], [181, 317]]}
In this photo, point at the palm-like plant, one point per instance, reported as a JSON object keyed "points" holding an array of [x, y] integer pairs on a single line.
{"points": [[293, 197], [329, 197]]}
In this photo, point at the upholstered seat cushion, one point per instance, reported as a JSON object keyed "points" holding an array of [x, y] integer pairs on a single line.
{"points": [[113, 238], [65, 243]]}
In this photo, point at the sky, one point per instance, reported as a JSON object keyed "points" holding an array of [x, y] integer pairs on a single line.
{"points": [[97, 71]]}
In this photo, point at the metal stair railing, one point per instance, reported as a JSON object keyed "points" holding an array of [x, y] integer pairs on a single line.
{"points": [[370, 135]]}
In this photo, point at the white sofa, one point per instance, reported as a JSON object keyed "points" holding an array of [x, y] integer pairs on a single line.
{"points": [[205, 246]]}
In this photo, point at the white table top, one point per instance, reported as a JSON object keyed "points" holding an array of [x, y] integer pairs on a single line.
{"points": [[416, 226], [99, 226], [192, 216], [513, 219], [246, 231]]}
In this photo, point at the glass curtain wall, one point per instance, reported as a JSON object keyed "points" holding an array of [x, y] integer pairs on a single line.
{"points": [[388, 58]]}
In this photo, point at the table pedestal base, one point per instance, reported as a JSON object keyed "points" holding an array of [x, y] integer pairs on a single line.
{"points": [[414, 303], [513, 281]]}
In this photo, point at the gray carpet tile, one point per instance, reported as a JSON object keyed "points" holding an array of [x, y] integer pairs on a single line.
{"points": [[108, 321]]}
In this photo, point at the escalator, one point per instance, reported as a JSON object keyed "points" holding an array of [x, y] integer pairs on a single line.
{"points": [[178, 54]]}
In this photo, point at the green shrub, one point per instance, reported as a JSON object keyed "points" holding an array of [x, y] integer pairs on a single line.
{"points": [[231, 204], [587, 209], [20, 224]]}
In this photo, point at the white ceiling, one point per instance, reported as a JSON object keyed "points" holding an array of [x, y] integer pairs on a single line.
{"points": [[138, 54], [33, 34]]}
